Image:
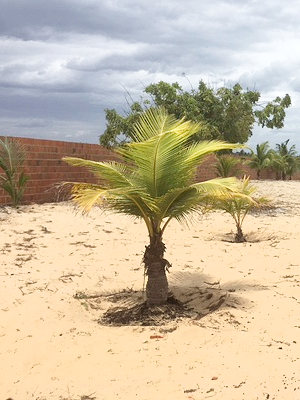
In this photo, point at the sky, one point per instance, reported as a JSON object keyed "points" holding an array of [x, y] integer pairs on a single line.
{"points": [[63, 62]]}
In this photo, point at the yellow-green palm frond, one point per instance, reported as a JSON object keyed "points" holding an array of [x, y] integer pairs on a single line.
{"points": [[156, 121], [180, 202], [242, 200], [127, 200], [114, 174], [218, 187], [163, 159], [198, 151], [86, 195]]}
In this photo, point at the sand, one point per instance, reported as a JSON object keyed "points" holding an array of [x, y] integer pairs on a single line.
{"points": [[52, 347]]}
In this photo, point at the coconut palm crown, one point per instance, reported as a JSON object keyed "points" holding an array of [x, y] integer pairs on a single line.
{"points": [[155, 183], [261, 159]]}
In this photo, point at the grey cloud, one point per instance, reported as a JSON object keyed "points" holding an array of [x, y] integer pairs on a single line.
{"points": [[67, 60], [218, 23]]}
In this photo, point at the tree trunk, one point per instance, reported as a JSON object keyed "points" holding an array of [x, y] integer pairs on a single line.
{"points": [[258, 174], [155, 265], [239, 236]]}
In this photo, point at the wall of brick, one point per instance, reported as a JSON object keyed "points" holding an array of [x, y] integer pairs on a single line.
{"points": [[45, 168]]}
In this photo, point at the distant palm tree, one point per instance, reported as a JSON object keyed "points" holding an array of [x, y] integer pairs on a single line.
{"points": [[227, 166], [285, 160], [156, 184], [12, 157], [261, 159], [278, 164], [293, 166]]}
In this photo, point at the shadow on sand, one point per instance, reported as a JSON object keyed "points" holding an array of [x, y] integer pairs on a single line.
{"points": [[191, 296]]}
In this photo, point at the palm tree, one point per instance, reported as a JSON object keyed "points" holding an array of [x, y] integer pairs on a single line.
{"points": [[227, 166], [156, 184], [285, 159], [261, 159], [293, 166], [238, 206], [12, 157], [279, 164]]}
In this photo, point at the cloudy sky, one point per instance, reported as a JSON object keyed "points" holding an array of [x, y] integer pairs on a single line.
{"points": [[64, 61]]}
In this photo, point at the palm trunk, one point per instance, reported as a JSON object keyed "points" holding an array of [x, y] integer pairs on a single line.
{"points": [[258, 174], [155, 265], [239, 236]]}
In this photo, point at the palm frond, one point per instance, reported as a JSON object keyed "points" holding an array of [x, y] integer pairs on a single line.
{"points": [[156, 184], [87, 195], [227, 166], [164, 160], [114, 174], [242, 201], [179, 203], [157, 121], [217, 186], [12, 157]]}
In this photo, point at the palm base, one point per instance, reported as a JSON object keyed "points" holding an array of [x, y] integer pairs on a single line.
{"points": [[239, 236], [155, 266]]}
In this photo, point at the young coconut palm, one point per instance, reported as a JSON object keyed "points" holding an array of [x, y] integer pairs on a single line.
{"points": [[156, 183], [12, 157], [238, 206], [227, 166], [261, 159]]}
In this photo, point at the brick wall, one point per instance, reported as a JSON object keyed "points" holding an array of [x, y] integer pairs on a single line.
{"points": [[207, 170], [45, 168]]}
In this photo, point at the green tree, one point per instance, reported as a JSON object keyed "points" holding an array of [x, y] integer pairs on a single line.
{"points": [[261, 159], [156, 184], [13, 181], [227, 114]]}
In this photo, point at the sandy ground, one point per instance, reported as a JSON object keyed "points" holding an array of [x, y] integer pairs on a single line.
{"points": [[51, 346]]}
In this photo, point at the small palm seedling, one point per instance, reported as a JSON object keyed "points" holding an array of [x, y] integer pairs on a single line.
{"points": [[239, 205], [155, 183], [13, 181]]}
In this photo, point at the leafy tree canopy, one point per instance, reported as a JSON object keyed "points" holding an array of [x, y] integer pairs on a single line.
{"points": [[225, 114]]}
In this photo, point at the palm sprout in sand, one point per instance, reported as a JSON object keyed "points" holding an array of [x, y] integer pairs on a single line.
{"points": [[12, 157], [239, 205], [155, 183]]}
